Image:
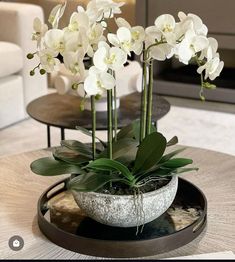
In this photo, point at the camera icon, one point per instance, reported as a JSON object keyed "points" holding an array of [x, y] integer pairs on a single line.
{"points": [[16, 243]]}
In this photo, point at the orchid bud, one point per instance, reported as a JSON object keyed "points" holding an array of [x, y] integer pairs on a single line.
{"points": [[42, 71], [30, 56]]}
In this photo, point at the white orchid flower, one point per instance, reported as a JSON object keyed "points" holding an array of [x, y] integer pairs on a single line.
{"points": [[166, 25], [109, 8], [152, 35], [161, 52], [122, 39], [55, 15], [109, 57], [98, 82], [190, 45], [54, 39], [78, 20], [213, 46], [73, 61], [198, 26], [48, 60], [128, 38], [91, 11], [213, 66], [98, 10], [95, 35], [75, 41], [181, 28], [39, 30]]}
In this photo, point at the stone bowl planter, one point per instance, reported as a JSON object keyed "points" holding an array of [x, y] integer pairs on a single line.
{"points": [[127, 210]]}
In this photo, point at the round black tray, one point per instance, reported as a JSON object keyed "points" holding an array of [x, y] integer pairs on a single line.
{"points": [[158, 236]]}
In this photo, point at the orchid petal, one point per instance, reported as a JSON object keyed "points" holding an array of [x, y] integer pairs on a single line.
{"points": [[99, 58], [124, 34], [121, 22]]}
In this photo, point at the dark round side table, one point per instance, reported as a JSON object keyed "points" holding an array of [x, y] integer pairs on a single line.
{"points": [[63, 111]]}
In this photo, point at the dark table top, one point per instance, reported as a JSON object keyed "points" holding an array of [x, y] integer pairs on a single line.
{"points": [[63, 111]]}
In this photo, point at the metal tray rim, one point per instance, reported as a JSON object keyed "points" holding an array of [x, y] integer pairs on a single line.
{"points": [[45, 225]]}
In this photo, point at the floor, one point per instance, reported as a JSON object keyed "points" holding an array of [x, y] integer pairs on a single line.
{"points": [[201, 124]]}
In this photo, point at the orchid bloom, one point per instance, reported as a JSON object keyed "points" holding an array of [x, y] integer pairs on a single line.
{"points": [[122, 39], [97, 82], [212, 67], [159, 49], [128, 38], [54, 39], [95, 35], [39, 30], [198, 26], [107, 57], [48, 60], [73, 61], [190, 45], [55, 15], [166, 25], [161, 52], [75, 41], [78, 20], [109, 8], [91, 11], [98, 10], [213, 45]]}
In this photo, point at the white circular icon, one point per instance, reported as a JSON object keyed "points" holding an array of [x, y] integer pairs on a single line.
{"points": [[16, 243]]}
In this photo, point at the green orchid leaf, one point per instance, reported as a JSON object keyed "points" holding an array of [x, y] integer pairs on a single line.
{"points": [[149, 152], [136, 130], [70, 156], [177, 162], [88, 133], [127, 131], [173, 141], [77, 146], [184, 170], [124, 150], [105, 164], [50, 167], [132, 131], [170, 155], [155, 172], [165, 172], [172, 171], [91, 182]]}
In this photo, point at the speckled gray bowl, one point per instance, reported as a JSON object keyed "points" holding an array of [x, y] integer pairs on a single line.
{"points": [[121, 211]]}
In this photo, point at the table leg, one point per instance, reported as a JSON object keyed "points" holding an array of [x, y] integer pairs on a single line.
{"points": [[48, 136], [62, 134]]}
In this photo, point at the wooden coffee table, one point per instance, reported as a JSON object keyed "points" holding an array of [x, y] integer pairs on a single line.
{"points": [[20, 190], [63, 111]]}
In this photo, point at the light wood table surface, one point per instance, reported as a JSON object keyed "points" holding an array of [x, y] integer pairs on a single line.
{"points": [[20, 190]]}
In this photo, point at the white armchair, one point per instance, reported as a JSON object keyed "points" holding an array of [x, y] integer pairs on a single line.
{"points": [[17, 87]]}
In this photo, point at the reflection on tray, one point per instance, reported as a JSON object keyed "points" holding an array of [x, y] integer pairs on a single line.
{"points": [[66, 215]]}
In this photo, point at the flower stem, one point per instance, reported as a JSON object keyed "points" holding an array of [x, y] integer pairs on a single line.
{"points": [[150, 99], [115, 110], [110, 124], [93, 111], [143, 100]]}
